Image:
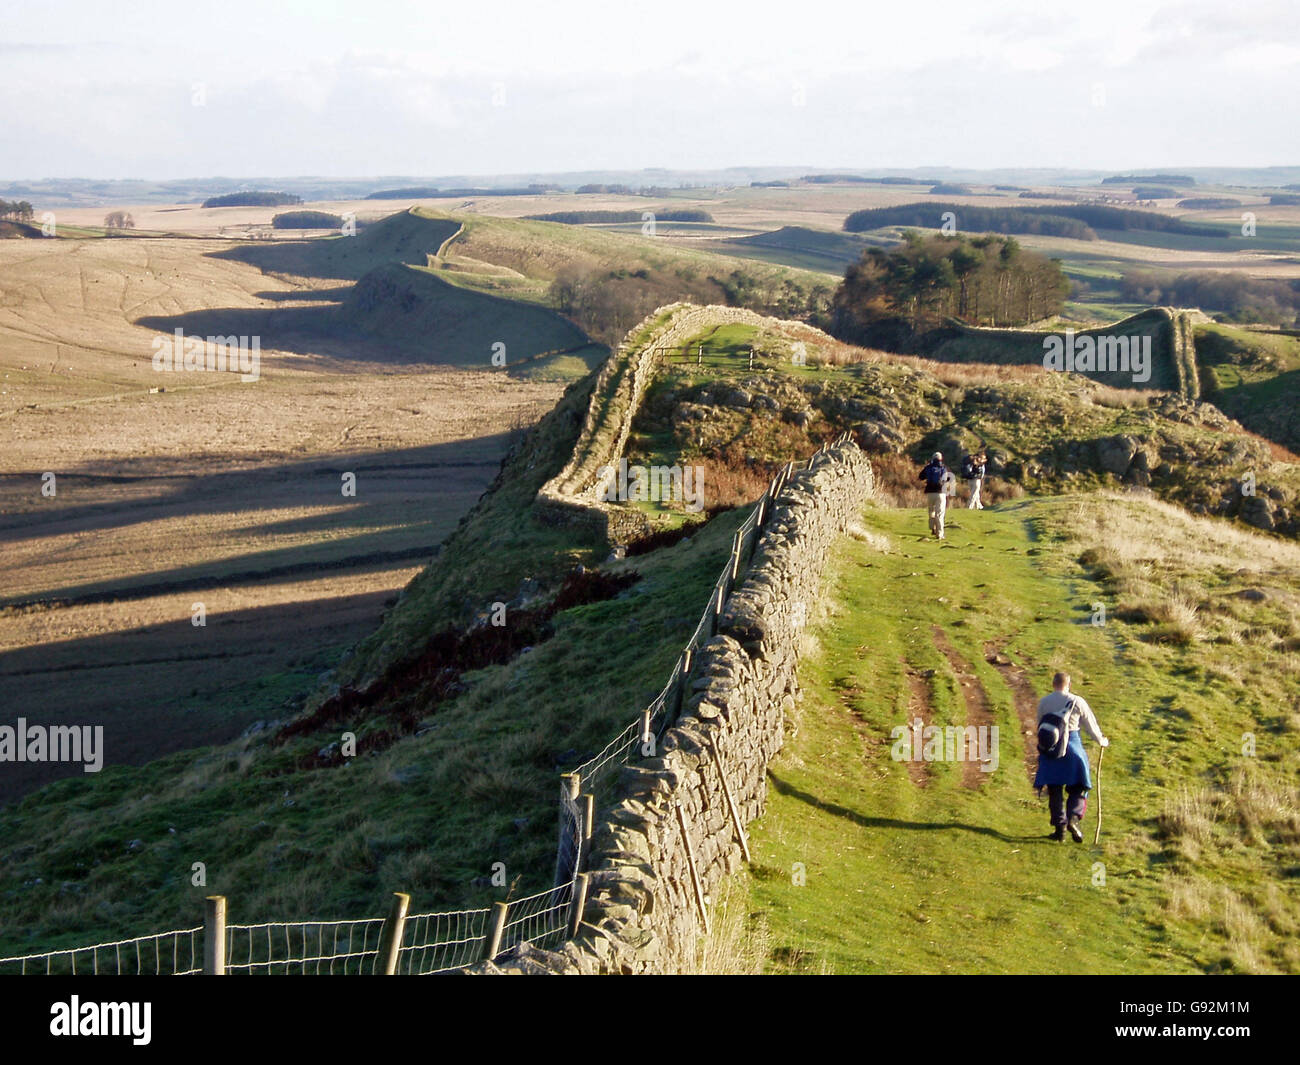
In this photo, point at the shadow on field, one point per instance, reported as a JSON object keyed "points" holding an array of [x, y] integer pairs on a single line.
{"points": [[864, 821], [163, 688], [322, 330], [447, 477]]}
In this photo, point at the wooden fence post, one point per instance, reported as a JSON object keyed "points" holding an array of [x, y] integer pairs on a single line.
{"points": [[570, 785], [214, 936], [646, 730], [390, 936], [699, 355], [751, 358], [587, 807], [736, 541], [578, 903], [731, 803], [695, 874], [683, 680], [496, 927]]}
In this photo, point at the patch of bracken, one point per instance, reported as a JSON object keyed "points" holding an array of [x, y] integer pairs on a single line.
{"points": [[667, 537], [410, 689]]}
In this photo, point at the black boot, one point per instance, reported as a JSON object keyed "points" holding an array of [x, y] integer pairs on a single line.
{"points": [[1076, 833], [1058, 834]]}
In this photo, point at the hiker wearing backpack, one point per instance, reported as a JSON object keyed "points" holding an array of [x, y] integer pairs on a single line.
{"points": [[972, 471], [935, 475], [1062, 763]]}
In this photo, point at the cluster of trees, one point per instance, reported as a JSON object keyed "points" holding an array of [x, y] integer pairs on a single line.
{"points": [[607, 303], [610, 190], [1231, 295], [17, 210], [1045, 221], [1154, 192], [1209, 203], [985, 280], [118, 220], [306, 220], [779, 297], [253, 199], [949, 189], [1080, 221], [578, 218], [1282, 199]]}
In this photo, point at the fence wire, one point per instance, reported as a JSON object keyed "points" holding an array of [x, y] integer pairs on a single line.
{"points": [[176, 953], [540, 920], [327, 948], [441, 942]]}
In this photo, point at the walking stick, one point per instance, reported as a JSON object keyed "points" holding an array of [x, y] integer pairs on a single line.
{"points": [[1101, 753]]}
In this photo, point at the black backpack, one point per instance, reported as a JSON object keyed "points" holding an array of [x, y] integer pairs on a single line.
{"points": [[968, 467], [1053, 736], [934, 477]]}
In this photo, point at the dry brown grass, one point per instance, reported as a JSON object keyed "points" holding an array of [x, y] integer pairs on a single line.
{"points": [[163, 497], [738, 944]]}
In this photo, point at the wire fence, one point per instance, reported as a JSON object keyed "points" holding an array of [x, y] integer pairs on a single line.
{"points": [[429, 943], [443, 942], [176, 953], [329, 948]]}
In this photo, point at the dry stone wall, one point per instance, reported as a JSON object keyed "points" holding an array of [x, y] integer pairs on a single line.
{"points": [[573, 496], [658, 855]]}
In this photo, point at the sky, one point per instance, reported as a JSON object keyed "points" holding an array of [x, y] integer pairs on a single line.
{"points": [[172, 90]]}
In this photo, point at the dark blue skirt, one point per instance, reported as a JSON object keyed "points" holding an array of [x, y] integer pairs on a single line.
{"points": [[1070, 770]]}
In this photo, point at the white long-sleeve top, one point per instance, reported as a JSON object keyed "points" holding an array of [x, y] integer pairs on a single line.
{"points": [[1074, 709]]}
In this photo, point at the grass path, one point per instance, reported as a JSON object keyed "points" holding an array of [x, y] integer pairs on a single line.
{"points": [[942, 867]]}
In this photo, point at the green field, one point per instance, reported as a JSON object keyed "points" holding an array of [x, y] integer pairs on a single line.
{"points": [[920, 869]]}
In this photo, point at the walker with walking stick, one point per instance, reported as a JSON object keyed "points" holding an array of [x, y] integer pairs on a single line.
{"points": [[1101, 753]]}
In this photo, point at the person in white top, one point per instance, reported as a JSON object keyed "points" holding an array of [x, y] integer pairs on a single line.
{"points": [[1062, 763]]}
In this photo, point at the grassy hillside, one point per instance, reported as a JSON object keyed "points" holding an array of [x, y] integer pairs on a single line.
{"points": [[1044, 432], [397, 310], [288, 831], [1254, 377], [959, 343], [521, 258], [928, 867], [418, 315], [803, 247]]}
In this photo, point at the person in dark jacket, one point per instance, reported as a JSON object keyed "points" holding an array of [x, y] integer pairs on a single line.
{"points": [[935, 475], [1062, 762]]}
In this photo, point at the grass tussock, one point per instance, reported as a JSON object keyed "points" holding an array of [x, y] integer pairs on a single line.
{"points": [[739, 942]]}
